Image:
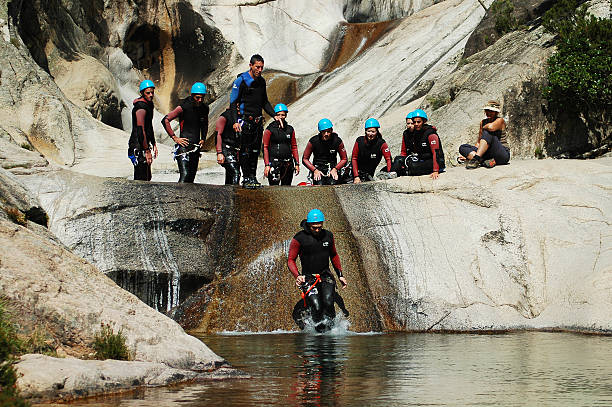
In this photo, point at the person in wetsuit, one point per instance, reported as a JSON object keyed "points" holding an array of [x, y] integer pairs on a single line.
{"points": [[368, 151], [192, 113], [228, 149], [142, 138], [316, 247], [491, 147], [421, 149], [325, 147], [280, 149], [247, 99]]}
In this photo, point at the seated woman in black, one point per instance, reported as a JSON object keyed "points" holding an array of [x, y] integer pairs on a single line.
{"points": [[368, 151], [325, 146]]}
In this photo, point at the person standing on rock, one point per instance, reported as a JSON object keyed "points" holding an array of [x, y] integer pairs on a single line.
{"points": [[491, 147], [316, 247], [325, 147], [142, 148], [368, 151], [247, 99], [280, 150], [192, 113], [421, 149], [228, 149]]}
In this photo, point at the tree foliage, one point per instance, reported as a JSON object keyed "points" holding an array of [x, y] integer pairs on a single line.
{"points": [[580, 71]]}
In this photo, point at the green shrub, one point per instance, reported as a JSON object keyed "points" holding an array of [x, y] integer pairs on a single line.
{"points": [[110, 345], [39, 341], [437, 102], [27, 146], [539, 153], [16, 216], [580, 71], [502, 11], [9, 346]]}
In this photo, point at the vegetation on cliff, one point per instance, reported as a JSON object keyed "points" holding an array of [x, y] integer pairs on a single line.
{"points": [[9, 346], [580, 71]]}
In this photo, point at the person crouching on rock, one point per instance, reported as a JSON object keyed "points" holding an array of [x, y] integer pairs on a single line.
{"points": [[228, 148], [280, 150], [142, 139], [491, 147], [192, 113], [368, 151], [316, 247], [325, 147], [421, 149]]}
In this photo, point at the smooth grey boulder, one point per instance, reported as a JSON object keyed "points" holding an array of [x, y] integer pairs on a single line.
{"points": [[43, 378]]}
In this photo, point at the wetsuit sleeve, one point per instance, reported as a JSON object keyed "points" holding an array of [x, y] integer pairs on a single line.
{"points": [[335, 259], [294, 149], [387, 154], [220, 127], [267, 106], [235, 101], [169, 117], [266, 145], [434, 145], [306, 157], [204, 128], [343, 157], [141, 114], [404, 153], [354, 157], [294, 250]]}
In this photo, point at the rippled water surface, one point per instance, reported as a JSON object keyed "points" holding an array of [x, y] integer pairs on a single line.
{"points": [[517, 369]]}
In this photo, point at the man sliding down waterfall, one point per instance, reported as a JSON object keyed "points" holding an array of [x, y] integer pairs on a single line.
{"points": [[316, 246]]}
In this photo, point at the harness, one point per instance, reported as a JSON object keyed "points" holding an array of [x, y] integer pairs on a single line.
{"points": [[305, 293], [184, 155]]}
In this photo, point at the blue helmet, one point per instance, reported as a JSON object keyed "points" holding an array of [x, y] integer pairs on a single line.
{"points": [[372, 123], [315, 216], [146, 84], [280, 108], [325, 124], [198, 88], [410, 115], [419, 113]]}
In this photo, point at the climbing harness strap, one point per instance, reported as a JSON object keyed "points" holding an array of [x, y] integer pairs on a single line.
{"points": [[304, 294]]}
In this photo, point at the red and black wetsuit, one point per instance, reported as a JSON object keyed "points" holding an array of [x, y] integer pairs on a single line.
{"points": [[315, 253], [228, 144], [142, 138], [325, 157], [193, 121], [423, 152], [280, 153], [366, 157]]}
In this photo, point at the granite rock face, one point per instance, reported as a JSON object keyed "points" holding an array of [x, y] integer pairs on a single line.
{"points": [[72, 298]]}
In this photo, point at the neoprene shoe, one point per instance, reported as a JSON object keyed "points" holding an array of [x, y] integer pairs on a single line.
{"points": [[473, 163], [489, 163]]}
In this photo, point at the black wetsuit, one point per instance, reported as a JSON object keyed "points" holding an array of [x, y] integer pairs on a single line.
{"points": [[247, 99], [366, 157], [280, 153], [193, 121], [137, 145], [418, 150], [315, 253], [325, 157], [228, 144]]}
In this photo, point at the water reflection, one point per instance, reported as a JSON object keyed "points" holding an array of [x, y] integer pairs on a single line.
{"points": [[345, 369], [320, 376]]}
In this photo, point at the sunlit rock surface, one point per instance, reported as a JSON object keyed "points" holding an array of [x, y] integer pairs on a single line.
{"points": [[520, 246], [43, 377]]}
